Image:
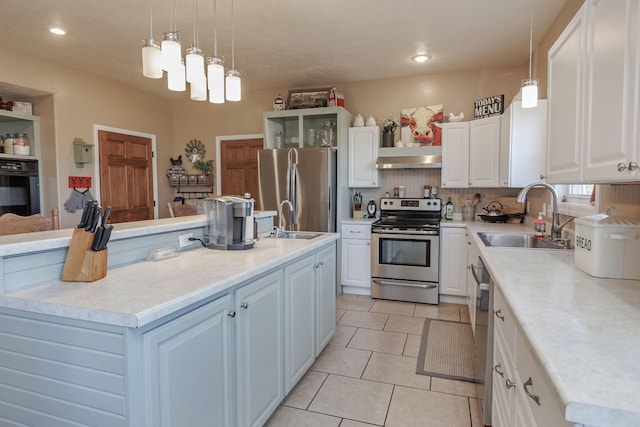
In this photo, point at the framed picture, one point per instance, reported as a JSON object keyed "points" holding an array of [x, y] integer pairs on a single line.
{"points": [[308, 98], [419, 126]]}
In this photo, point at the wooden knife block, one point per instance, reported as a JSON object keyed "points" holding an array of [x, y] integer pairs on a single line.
{"points": [[83, 264]]}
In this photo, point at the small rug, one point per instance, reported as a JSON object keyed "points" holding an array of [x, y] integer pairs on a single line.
{"points": [[446, 350]]}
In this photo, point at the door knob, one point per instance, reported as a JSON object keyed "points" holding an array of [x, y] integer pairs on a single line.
{"points": [[633, 166], [621, 167]]}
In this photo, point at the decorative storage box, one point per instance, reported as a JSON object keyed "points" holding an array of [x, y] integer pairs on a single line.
{"points": [[608, 246]]}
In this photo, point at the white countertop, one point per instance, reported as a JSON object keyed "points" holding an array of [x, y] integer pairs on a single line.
{"points": [[138, 294], [583, 330]]}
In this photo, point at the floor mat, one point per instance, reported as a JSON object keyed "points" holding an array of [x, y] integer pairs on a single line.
{"points": [[446, 350]]}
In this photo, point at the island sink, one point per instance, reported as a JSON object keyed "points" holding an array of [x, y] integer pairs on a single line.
{"points": [[295, 235]]}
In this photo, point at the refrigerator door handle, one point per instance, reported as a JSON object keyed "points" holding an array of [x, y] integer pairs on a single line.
{"points": [[294, 196]]}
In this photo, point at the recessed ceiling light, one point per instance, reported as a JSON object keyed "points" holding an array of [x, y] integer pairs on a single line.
{"points": [[423, 57], [58, 31]]}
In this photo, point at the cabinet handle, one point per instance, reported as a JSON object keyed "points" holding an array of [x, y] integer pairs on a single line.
{"points": [[543, 177], [621, 167], [355, 232], [232, 313], [499, 314], [244, 305], [368, 243], [633, 166], [509, 384], [534, 397], [498, 371]]}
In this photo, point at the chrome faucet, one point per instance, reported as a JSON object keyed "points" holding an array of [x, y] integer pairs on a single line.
{"points": [[556, 227], [279, 231]]}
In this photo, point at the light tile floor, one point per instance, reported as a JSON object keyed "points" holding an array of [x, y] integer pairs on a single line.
{"points": [[366, 375]]}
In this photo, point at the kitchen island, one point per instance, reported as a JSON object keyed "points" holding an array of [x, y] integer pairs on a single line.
{"points": [[580, 330], [205, 338]]}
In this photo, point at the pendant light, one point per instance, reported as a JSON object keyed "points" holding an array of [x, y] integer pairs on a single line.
{"points": [[176, 78], [171, 49], [530, 86], [195, 59], [151, 53], [215, 66], [233, 82]]}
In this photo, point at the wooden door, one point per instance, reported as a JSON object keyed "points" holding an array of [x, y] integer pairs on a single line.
{"points": [[126, 176], [239, 167]]}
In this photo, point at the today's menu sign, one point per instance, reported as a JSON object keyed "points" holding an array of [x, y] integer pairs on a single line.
{"points": [[491, 106]]}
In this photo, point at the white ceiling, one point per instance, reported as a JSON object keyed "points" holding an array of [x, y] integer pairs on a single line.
{"points": [[284, 43]]}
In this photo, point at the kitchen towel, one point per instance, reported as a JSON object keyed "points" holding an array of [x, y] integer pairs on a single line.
{"points": [[446, 350]]}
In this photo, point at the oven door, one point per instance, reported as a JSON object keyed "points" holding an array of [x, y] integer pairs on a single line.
{"points": [[405, 255]]}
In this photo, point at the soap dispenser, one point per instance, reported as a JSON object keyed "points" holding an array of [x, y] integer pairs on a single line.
{"points": [[539, 226]]}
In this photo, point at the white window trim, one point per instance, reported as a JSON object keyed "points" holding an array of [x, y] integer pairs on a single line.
{"points": [[576, 206]]}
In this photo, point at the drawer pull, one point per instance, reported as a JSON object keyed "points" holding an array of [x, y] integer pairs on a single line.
{"points": [[533, 397], [244, 305], [499, 314], [509, 384], [498, 371]]}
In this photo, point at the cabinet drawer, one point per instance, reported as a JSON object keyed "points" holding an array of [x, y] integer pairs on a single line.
{"points": [[356, 231], [503, 370], [549, 412], [503, 320]]}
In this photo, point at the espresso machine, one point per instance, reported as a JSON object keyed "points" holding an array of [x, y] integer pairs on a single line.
{"points": [[229, 223]]}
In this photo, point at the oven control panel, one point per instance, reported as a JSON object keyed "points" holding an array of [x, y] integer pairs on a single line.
{"points": [[390, 204]]}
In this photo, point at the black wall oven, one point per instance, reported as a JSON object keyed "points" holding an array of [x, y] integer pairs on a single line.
{"points": [[19, 187]]}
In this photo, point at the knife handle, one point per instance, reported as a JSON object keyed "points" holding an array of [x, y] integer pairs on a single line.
{"points": [[105, 216], [97, 239]]}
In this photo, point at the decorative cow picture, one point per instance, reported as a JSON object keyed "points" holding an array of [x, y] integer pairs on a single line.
{"points": [[418, 126]]}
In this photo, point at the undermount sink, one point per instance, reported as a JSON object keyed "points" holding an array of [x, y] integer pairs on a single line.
{"points": [[295, 235], [518, 240]]}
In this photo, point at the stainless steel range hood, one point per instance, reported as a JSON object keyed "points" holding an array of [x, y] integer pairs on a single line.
{"points": [[409, 158]]}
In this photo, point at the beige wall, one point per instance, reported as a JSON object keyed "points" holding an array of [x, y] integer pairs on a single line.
{"points": [[79, 102]]}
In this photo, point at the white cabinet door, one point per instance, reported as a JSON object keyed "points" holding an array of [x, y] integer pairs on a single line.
{"points": [[611, 86], [188, 368], [259, 349], [325, 283], [363, 153], [356, 263], [453, 261], [484, 152], [523, 144], [565, 97], [299, 320], [472, 287], [455, 155]]}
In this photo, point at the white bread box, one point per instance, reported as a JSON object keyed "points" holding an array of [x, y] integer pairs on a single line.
{"points": [[608, 246]]}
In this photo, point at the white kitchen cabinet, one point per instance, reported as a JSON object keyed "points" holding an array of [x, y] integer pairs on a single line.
{"points": [[455, 155], [593, 96], [325, 284], [299, 321], [484, 152], [453, 261], [356, 258], [471, 153], [188, 368], [363, 153], [522, 394], [259, 314], [611, 135], [523, 144]]}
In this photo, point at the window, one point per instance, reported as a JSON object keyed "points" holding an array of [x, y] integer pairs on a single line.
{"points": [[575, 199]]}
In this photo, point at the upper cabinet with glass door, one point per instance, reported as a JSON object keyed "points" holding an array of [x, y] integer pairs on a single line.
{"points": [[310, 127]]}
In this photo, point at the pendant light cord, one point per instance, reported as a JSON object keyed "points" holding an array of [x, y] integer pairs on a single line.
{"points": [[233, 43], [172, 17], [215, 29], [195, 23], [530, 46], [150, 19]]}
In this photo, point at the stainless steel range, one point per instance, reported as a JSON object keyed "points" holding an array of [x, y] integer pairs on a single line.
{"points": [[405, 249]]}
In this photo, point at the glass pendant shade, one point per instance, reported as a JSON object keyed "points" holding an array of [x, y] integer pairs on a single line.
{"points": [[151, 59], [195, 64], [233, 85], [171, 51], [215, 82], [529, 93], [176, 78], [199, 88]]}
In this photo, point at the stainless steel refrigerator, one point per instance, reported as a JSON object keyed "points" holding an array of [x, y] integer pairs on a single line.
{"points": [[307, 178]]}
